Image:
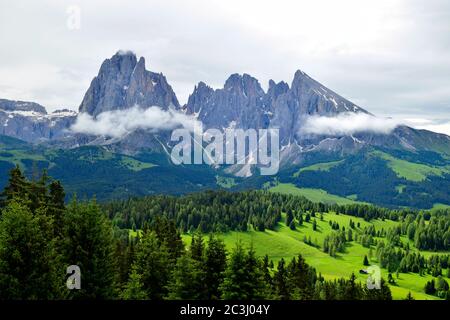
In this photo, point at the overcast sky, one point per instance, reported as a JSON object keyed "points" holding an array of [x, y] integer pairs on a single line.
{"points": [[391, 57]]}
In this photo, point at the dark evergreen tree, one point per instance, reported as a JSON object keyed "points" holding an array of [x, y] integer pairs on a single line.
{"points": [[280, 282], [187, 280], [243, 279], [409, 296], [366, 261], [56, 206], [88, 243], [292, 225], [153, 265], [29, 267], [134, 290], [215, 263], [17, 187]]}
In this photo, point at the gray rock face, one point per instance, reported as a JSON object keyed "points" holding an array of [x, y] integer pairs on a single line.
{"points": [[239, 104], [306, 97], [243, 103], [123, 82], [11, 105], [30, 121]]}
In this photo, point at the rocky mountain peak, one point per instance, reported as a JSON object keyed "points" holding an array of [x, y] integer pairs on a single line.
{"points": [[276, 89], [245, 84], [123, 82]]}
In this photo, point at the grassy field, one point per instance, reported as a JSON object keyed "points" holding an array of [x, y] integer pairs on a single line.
{"points": [[441, 206], [324, 166], [286, 243], [315, 195], [408, 170]]}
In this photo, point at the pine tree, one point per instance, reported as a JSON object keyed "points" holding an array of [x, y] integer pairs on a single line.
{"points": [[352, 291], [430, 287], [187, 280], [152, 264], [243, 279], [37, 191], [56, 206], [307, 217], [215, 263], [134, 290], [197, 247], [280, 281], [266, 267], [292, 225], [300, 219], [384, 293], [366, 261], [168, 234], [314, 225], [17, 187], [88, 243], [409, 296], [289, 218], [349, 235], [302, 279], [28, 260]]}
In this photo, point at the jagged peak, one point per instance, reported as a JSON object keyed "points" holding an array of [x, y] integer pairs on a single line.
{"points": [[245, 83], [125, 53], [300, 77]]}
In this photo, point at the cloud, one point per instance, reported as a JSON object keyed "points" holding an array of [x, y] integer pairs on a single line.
{"points": [[118, 123], [348, 123]]}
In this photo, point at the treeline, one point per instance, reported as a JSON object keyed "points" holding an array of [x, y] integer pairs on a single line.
{"points": [[428, 232], [222, 211], [396, 259], [40, 237]]}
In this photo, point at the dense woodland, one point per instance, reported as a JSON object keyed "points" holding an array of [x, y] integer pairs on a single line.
{"points": [[40, 236], [221, 211]]}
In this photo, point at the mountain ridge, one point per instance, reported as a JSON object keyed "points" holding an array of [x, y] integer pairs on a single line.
{"points": [[123, 82]]}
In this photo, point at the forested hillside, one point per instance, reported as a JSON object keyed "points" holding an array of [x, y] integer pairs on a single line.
{"points": [[40, 236]]}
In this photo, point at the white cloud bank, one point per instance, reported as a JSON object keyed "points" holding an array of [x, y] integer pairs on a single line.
{"points": [[349, 123], [118, 123]]}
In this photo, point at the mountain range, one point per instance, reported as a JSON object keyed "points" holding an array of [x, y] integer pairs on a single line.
{"points": [[404, 167]]}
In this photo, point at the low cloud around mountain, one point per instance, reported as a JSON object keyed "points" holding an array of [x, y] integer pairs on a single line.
{"points": [[118, 123], [347, 124]]}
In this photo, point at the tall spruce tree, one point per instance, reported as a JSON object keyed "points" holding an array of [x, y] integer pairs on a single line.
{"points": [[17, 187], [153, 264], [215, 263], [88, 243], [280, 282], [243, 279], [187, 280], [28, 260], [134, 290]]}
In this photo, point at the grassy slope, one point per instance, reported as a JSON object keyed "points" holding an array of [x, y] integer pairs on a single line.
{"points": [[286, 243], [409, 170], [323, 166], [316, 195], [441, 206]]}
